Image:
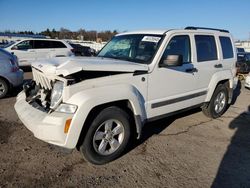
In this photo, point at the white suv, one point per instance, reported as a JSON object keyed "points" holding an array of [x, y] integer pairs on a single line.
{"points": [[31, 50], [95, 104]]}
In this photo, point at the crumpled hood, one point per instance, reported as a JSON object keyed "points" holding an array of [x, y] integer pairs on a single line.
{"points": [[69, 65]]}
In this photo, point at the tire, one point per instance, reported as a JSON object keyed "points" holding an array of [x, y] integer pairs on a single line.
{"points": [[4, 88], [107, 136], [218, 103]]}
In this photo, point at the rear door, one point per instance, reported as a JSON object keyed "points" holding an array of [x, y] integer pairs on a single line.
{"points": [[206, 60], [42, 48], [59, 49]]}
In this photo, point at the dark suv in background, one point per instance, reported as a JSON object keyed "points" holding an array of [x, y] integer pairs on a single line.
{"points": [[80, 50], [243, 63]]}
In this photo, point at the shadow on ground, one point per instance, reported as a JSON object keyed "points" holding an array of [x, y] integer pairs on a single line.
{"points": [[234, 169], [156, 127], [236, 92]]}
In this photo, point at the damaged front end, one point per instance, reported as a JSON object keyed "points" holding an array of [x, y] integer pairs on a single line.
{"points": [[44, 92]]}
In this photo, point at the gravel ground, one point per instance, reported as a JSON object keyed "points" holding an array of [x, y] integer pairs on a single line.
{"points": [[187, 150]]}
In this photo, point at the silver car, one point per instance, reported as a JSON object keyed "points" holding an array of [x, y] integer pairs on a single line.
{"points": [[10, 74]]}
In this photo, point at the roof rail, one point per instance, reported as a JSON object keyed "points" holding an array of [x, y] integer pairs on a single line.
{"points": [[195, 28]]}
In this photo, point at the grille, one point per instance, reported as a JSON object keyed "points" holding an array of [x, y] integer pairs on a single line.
{"points": [[42, 80]]}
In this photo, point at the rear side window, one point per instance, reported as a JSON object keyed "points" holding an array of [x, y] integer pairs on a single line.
{"points": [[206, 48], [57, 44], [41, 44], [227, 48]]}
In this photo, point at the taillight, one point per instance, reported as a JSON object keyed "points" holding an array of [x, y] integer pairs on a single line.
{"points": [[73, 50]]}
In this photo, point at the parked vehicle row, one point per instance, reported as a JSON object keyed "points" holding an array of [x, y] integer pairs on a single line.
{"points": [[31, 50], [96, 104], [10, 74]]}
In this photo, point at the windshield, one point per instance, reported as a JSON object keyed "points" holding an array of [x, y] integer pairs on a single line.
{"points": [[137, 48]]}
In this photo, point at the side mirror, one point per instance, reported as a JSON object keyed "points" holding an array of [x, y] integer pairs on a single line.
{"points": [[172, 61], [14, 48]]}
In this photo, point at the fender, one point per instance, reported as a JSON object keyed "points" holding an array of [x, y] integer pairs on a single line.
{"points": [[6, 78], [90, 98], [216, 78]]}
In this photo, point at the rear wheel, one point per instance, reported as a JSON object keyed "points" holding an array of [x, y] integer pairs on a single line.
{"points": [[218, 103], [4, 88], [107, 136]]}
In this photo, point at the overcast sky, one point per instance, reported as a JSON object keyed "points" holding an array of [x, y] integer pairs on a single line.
{"points": [[125, 15]]}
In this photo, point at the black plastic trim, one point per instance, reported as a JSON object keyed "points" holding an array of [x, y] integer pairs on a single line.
{"points": [[173, 113], [171, 101], [214, 29]]}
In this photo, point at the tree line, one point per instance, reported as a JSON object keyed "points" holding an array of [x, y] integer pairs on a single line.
{"points": [[64, 33]]}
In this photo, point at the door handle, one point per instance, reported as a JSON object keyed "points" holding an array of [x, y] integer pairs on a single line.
{"points": [[191, 70], [218, 65]]}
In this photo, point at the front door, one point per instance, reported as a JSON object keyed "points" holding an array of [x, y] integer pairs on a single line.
{"points": [[173, 88], [25, 52]]}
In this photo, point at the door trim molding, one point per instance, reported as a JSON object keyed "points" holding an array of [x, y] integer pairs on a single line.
{"points": [[179, 99]]}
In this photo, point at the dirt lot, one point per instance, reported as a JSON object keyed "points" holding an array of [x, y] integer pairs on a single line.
{"points": [[187, 150]]}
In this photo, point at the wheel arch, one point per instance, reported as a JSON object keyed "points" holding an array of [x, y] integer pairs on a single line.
{"points": [[124, 105], [224, 78], [7, 82]]}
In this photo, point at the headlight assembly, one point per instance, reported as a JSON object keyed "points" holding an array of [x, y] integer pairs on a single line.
{"points": [[56, 95]]}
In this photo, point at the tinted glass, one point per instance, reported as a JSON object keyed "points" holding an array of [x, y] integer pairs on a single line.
{"points": [[179, 45], [41, 44], [241, 50], [227, 48], [206, 48], [57, 44], [25, 45]]}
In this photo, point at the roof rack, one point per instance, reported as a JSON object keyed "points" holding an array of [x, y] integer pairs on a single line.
{"points": [[195, 28]]}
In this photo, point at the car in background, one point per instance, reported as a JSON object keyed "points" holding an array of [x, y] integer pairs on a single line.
{"points": [[240, 50], [80, 50], [247, 81], [243, 63], [30, 50], [10, 74]]}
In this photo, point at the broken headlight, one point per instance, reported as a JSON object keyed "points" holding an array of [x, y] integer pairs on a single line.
{"points": [[56, 95]]}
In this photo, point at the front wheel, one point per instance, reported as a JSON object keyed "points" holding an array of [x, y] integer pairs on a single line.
{"points": [[218, 103], [107, 136]]}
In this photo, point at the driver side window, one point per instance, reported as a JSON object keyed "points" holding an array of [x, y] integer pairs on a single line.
{"points": [[179, 45], [25, 45]]}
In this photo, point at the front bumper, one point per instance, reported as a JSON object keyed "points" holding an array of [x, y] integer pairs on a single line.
{"points": [[44, 126]]}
